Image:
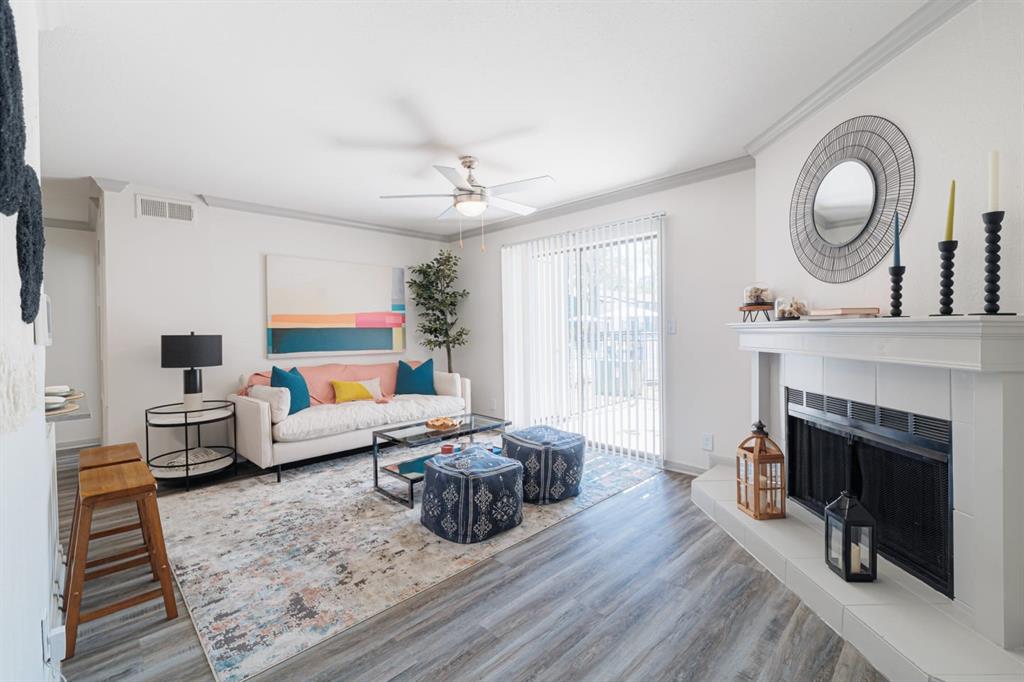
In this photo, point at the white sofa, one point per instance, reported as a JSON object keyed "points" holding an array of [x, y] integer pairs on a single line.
{"points": [[330, 428]]}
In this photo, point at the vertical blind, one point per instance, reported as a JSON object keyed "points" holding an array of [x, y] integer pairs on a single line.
{"points": [[582, 328]]}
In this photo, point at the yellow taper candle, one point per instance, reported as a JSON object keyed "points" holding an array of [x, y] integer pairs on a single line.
{"points": [[949, 216]]}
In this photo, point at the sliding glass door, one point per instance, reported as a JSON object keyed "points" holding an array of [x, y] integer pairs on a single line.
{"points": [[582, 332]]}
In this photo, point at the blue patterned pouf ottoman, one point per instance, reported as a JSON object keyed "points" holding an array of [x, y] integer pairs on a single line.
{"points": [[471, 495], [552, 462]]}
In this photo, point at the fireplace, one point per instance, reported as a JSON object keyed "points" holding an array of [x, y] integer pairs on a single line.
{"points": [[897, 463]]}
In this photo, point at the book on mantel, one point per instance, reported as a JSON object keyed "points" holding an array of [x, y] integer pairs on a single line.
{"points": [[842, 313]]}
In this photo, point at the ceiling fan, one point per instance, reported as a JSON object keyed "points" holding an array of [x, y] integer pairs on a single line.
{"points": [[471, 199]]}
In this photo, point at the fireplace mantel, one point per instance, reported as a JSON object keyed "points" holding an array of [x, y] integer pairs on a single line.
{"points": [[970, 342]]}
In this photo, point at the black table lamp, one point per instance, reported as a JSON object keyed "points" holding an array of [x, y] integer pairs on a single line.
{"points": [[191, 351]]}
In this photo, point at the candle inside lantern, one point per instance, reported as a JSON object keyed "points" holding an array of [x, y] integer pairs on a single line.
{"points": [[896, 244], [949, 214], [993, 181], [855, 558]]}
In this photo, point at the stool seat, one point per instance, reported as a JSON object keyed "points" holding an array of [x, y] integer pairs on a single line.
{"points": [[103, 456], [120, 481]]}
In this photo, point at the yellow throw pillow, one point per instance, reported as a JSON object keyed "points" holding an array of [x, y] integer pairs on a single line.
{"points": [[349, 391]]}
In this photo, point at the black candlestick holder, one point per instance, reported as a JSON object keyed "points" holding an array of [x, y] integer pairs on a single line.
{"points": [[896, 290], [993, 226], [947, 249]]}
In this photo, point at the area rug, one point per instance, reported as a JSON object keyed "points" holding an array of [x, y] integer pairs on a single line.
{"points": [[269, 569]]}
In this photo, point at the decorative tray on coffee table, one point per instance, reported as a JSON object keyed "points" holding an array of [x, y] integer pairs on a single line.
{"points": [[443, 424]]}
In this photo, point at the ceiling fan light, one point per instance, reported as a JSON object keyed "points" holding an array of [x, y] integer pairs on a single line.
{"points": [[471, 207]]}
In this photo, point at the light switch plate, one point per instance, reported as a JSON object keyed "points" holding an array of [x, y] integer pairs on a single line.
{"points": [[707, 442]]}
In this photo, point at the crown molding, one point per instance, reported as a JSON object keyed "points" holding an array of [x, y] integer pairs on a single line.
{"points": [[110, 185], [249, 207], [689, 177], [926, 19], [68, 224]]}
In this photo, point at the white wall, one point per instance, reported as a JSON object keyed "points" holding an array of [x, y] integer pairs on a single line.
{"points": [[709, 258], [956, 95], [25, 462], [167, 277], [73, 359], [67, 198]]}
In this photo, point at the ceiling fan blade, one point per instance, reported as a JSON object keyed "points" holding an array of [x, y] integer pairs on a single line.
{"points": [[414, 196], [448, 212], [511, 206], [520, 185], [454, 177]]}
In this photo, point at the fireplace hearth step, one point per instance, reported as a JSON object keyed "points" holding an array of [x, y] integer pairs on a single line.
{"points": [[907, 630]]}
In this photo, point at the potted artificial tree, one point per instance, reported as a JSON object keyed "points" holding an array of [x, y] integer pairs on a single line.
{"points": [[434, 293]]}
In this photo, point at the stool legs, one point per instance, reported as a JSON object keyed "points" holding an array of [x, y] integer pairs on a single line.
{"points": [[158, 553], [80, 552], [140, 507], [78, 555]]}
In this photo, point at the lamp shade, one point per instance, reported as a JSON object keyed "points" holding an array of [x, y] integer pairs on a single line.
{"points": [[190, 350]]}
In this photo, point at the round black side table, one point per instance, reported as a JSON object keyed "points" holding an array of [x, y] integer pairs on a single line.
{"points": [[194, 459]]}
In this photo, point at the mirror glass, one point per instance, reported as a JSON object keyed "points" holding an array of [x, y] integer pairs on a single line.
{"points": [[844, 202]]}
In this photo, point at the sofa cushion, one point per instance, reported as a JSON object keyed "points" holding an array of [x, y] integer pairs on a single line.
{"points": [[418, 380], [279, 398], [446, 383], [348, 391], [328, 420], [296, 385]]}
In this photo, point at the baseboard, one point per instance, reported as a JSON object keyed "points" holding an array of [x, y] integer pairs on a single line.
{"points": [[681, 468], [77, 444]]}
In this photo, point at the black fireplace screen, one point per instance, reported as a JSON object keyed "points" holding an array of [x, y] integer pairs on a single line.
{"points": [[907, 492]]}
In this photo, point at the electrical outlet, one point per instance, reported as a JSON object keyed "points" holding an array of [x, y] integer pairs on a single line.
{"points": [[494, 405], [671, 327], [707, 442]]}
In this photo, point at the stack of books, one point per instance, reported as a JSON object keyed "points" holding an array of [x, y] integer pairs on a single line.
{"points": [[842, 313]]}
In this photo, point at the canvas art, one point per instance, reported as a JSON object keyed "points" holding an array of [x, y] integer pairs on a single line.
{"points": [[327, 307]]}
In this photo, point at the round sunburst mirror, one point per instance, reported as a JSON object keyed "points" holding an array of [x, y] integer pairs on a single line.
{"points": [[853, 183]]}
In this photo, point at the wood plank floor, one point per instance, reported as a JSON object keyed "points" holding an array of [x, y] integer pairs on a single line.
{"points": [[640, 587]]}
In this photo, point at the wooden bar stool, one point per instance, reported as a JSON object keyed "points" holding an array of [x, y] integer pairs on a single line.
{"points": [[90, 458], [102, 487]]}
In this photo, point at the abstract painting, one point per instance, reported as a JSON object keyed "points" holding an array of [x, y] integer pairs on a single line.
{"points": [[327, 307]]}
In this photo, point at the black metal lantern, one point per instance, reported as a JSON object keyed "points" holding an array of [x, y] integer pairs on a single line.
{"points": [[850, 540]]}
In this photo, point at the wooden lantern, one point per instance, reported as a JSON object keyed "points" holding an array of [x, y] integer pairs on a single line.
{"points": [[760, 476]]}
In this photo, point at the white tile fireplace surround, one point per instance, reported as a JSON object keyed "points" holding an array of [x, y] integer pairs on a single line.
{"points": [[965, 370]]}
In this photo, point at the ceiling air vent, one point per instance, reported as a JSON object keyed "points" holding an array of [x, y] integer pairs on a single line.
{"points": [[154, 207]]}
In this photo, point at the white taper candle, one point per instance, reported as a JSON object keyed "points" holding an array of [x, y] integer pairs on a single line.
{"points": [[993, 181]]}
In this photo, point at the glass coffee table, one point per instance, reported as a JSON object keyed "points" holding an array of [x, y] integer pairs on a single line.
{"points": [[411, 471]]}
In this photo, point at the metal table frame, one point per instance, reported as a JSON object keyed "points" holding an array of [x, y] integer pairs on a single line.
{"points": [[498, 425], [208, 406]]}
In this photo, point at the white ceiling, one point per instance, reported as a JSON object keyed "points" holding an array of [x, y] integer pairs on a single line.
{"points": [[321, 107]]}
